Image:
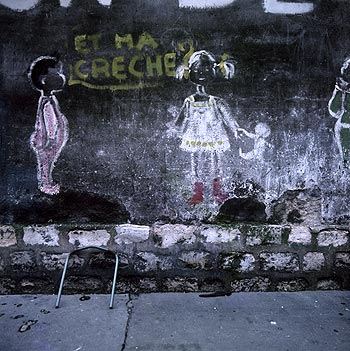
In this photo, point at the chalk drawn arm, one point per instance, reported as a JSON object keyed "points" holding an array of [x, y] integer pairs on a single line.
{"points": [[227, 117], [180, 120], [336, 105], [248, 134], [176, 128]]}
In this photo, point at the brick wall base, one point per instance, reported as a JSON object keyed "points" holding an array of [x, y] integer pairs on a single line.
{"points": [[175, 257]]}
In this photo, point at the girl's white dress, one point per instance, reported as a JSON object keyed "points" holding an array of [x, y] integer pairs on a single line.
{"points": [[204, 125]]}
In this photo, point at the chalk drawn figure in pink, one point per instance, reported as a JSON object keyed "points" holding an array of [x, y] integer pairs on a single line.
{"points": [[51, 126], [204, 122]]}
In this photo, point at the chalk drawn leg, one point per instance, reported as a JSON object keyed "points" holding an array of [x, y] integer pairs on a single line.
{"points": [[197, 196], [216, 169], [194, 165], [45, 166], [219, 195]]}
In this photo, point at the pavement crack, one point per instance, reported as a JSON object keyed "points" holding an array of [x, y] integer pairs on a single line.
{"points": [[130, 307]]}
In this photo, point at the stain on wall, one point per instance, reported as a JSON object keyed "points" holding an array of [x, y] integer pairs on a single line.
{"points": [[121, 60]]}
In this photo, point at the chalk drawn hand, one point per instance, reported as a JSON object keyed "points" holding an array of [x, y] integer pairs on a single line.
{"points": [[343, 85]]}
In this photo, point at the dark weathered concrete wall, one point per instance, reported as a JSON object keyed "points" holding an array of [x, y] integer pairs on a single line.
{"points": [[120, 161], [127, 142]]}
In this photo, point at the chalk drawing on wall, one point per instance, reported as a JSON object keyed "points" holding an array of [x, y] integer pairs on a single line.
{"points": [[339, 108], [51, 126], [261, 132], [67, 3], [203, 123], [204, 3], [270, 6], [287, 8], [20, 5]]}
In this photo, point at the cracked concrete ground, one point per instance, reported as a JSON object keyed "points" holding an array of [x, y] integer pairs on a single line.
{"points": [[177, 321]]}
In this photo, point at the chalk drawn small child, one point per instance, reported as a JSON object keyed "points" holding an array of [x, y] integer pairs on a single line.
{"points": [[205, 121], [339, 108], [51, 126], [262, 132]]}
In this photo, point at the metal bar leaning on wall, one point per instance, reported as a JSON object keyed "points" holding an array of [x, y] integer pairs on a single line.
{"points": [[66, 266]]}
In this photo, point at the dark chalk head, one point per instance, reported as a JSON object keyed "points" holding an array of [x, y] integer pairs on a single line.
{"points": [[46, 74]]}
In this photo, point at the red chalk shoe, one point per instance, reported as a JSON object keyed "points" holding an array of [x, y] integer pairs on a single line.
{"points": [[197, 196], [218, 194]]}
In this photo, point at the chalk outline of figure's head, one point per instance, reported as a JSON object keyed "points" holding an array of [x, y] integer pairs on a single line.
{"points": [[226, 67], [262, 130], [38, 71]]}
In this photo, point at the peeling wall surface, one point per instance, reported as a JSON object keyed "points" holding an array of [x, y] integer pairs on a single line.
{"points": [[176, 112]]}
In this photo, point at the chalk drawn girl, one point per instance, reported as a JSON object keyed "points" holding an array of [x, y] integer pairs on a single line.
{"points": [[51, 126], [261, 132], [204, 122], [339, 107]]}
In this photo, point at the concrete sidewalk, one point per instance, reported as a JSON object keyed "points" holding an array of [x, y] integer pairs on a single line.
{"points": [[178, 321]]}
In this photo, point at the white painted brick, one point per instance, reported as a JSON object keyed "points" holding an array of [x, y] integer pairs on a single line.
{"points": [[264, 235], [84, 238], [7, 236], [37, 235], [247, 264], [283, 262], [313, 261], [148, 261], [332, 238], [300, 235], [217, 235], [195, 259], [239, 262], [130, 233], [170, 234]]}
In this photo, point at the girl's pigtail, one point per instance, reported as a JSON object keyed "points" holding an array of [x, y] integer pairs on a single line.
{"points": [[182, 72], [227, 67]]}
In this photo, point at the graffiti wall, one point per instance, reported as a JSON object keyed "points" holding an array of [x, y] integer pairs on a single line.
{"points": [[174, 110]]}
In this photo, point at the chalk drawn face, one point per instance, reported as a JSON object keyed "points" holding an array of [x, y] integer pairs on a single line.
{"points": [[46, 75], [202, 70], [53, 81]]}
